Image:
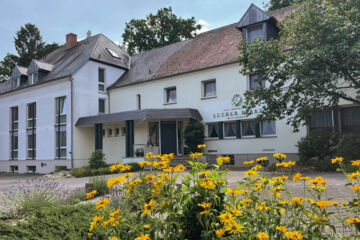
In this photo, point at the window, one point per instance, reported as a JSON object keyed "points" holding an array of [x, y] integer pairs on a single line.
{"points": [[60, 127], [31, 131], [255, 32], [14, 168], [209, 89], [113, 53], [248, 128], [154, 134], [18, 82], [33, 77], [101, 80], [229, 129], [170, 95], [254, 83], [117, 131], [109, 132], [138, 101], [14, 126], [268, 128], [350, 118], [101, 105], [213, 130], [321, 119], [103, 132], [31, 169]]}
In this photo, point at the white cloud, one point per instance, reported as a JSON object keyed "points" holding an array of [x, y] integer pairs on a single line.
{"points": [[205, 26]]}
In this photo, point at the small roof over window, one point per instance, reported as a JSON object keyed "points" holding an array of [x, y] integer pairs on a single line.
{"points": [[18, 72], [37, 65], [252, 16]]}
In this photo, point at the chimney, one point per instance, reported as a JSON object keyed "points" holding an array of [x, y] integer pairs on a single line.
{"points": [[71, 40]]}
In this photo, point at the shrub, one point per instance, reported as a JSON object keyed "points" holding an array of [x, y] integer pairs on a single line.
{"points": [[96, 159], [194, 134], [32, 195], [79, 172], [86, 171], [317, 148], [56, 223], [78, 195], [349, 146], [60, 168], [99, 184]]}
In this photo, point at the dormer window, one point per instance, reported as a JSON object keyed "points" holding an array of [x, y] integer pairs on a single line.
{"points": [[255, 32], [33, 77]]}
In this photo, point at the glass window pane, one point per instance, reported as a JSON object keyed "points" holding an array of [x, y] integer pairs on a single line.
{"points": [[101, 87], [209, 89], [321, 119], [63, 153], [254, 32], [213, 130], [62, 139], [350, 118], [248, 128], [230, 129], [101, 75], [268, 128], [154, 134], [171, 95], [255, 83], [101, 106]]}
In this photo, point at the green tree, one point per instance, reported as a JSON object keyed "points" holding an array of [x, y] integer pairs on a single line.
{"points": [[157, 30], [314, 63], [277, 4], [194, 135], [29, 45]]}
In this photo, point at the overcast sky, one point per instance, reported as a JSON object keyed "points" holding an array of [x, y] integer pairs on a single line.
{"points": [[56, 18]]}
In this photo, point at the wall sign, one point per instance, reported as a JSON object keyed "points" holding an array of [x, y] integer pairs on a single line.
{"points": [[226, 110]]}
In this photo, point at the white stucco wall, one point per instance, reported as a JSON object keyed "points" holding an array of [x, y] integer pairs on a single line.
{"points": [[86, 97], [44, 95], [188, 90]]}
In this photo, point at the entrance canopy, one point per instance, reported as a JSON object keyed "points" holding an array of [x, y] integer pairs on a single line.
{"points": [[143, 114]]}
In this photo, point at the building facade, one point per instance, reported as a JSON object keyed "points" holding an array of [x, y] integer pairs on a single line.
{"points": [[92, 95]]}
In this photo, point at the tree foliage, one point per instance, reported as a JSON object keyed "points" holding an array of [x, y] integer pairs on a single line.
{"points": [[315, 62], [194, 135], [29, 45], [277, 4], [157, 30]]}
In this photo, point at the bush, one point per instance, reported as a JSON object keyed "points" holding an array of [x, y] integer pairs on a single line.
{"points": [[32, 195], [96, 159], [317, 148], [99, 184], [56, 223], [86, 171], [78, 195], [349, 146], [194, 135], [79, 172]]}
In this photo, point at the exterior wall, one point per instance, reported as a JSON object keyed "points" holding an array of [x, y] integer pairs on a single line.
{"points": [[86, 97], [44, 95], [188, 90]]}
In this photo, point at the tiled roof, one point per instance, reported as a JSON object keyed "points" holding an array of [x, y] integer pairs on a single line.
{"points": [[209, 49], [64, 62]]}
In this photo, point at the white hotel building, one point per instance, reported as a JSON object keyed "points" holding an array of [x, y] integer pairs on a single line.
{"points": [[92, 95]]}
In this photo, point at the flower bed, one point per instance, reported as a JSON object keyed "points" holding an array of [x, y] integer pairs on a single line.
{"points": [[201, 205]]}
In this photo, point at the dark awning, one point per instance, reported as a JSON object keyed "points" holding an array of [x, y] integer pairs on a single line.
{"points": [[144, 114]]}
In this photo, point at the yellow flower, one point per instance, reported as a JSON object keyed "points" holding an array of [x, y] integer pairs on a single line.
{"points": [[262, 159], [148, 207], [149, 155], [318, 180], [251, 173], [337, 159], [205, 205], [262, 236], [249, 162], [323, 204], [296, 177], [281, 228], [353, 176], [91, 194], [222, 159], [355, 163], [226, 218], [234, 228], [343, 204], [353, 220], [294, 235], [356, 188], [147, 226], [220, 232], [144, 163], [179, 168], [207, 183], [143, 237], [203, 173], [204, 212], [232, 191], [195, 155], [201, 146], [297, 200], [102, 203], [114, 238], [286, 164], [95, 222], [279, 156]]}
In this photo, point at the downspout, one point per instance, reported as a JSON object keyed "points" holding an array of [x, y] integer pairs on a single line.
{"points": [[72, 120]]}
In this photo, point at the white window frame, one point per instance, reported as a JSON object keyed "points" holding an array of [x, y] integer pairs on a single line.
{"points": [[101, 83], [34, 77], [230, 137], [166, 91], [207, 131], [203, 83], [267, 135]]}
